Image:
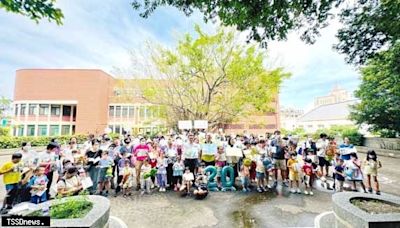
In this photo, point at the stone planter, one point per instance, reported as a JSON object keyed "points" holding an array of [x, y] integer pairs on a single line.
{"points": [[97, 217], [348, 215]]}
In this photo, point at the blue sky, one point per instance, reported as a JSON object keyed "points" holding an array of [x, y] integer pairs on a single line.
{"points": [[100, 34]]}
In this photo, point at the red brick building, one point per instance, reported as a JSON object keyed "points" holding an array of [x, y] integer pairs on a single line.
{"points": [[69, 101]]}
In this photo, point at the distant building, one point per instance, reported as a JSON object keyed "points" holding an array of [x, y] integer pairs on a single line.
{"points": [[52, 102], [288, 117], [325, 116], [336, 95]]}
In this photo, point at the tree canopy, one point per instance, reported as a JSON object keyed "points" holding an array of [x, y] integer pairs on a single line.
{"points": [[34, 9], [212, 77], [369, 25], [379, 92]]}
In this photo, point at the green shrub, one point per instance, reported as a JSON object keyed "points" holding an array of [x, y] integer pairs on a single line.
{"points": [[76, 207], [4, 131], [385, 133], [8, 142], [70, 208], [354, 136]]}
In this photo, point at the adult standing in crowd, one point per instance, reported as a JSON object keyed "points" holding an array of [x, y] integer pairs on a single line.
{"points": [[140, 153], [190, 153], [322, 145], [48, 160], [93, 157], [278, 155]]}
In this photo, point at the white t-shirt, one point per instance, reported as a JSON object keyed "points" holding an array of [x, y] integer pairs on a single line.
{"points": [[47, 157], [28, 157], [68, 184], [188, 177], [191, 151], [321, 146]]}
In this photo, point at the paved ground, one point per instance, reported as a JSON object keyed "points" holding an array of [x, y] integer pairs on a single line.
{"points": [[226, 209]]}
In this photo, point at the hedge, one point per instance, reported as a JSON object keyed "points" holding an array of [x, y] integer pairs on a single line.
{"points": [[8, 142]]}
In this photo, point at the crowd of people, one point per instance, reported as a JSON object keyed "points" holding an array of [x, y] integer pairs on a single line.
{"points": [[178, 162]]}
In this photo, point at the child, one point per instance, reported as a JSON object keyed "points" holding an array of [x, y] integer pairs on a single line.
{"points": [[38, 185], [245, 175], [339, 175], [371, 166], [187, 180], [293, 173], [201, 177], [308, 171], [12, 175], [220, 158], [153, 164], [145, 182], [105, 164], [357, 175], [178, 168], [127, 179], [260, 173], [162, 164]]}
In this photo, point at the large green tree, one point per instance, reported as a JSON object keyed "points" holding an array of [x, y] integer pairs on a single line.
{"points": [[212, 77], [34, 9], [379, 92], [368, 24]]}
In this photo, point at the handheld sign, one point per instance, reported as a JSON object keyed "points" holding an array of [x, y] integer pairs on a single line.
{"points": [[209, 149], [233, 152], [185, 124]]}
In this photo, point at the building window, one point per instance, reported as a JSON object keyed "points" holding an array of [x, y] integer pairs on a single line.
{"points": [[21, 130], [74, 113], [309, 126], [131, 111], [54, 130], [32, 109], [16, 110], [111, 111], [30, 130], [43, 109], [42, 130], [65, 130], [23, 109], [125, 111], [73, 129], [66, 110], [117, 111], [321, 126], [55, 110], [117, 129], [142, 112]]}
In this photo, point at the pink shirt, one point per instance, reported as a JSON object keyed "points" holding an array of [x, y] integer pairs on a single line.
{"points": [[141, 152]]}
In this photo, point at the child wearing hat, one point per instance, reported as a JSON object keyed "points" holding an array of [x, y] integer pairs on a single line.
{"points": [[245, 175]]}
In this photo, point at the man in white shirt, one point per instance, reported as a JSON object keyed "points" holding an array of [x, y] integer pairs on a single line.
{"points": [[190, 154], [322, 145]]}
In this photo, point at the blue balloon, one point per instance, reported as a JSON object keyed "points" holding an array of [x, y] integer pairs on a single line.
{"points": [[267, 163], [349, 173]]}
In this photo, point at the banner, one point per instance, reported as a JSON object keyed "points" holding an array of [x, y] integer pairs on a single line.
{"points": [[185, 124], [200, 124], [233, 152], [209, 149]]}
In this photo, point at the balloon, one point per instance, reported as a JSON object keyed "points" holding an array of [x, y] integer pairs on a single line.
{"points": [[211, 184], [349, 173], [267, 163], [247, 162], [228, 185]]}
